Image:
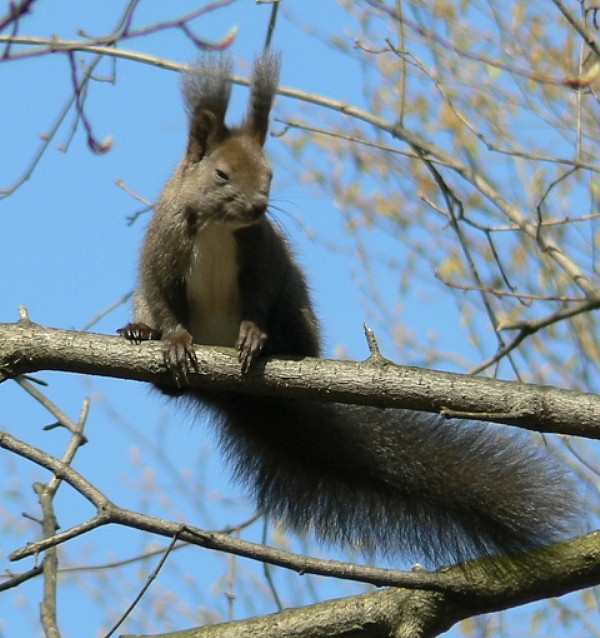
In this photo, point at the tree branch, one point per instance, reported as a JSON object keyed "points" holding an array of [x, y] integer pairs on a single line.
{"points": [[393, 612], [28, 347]]}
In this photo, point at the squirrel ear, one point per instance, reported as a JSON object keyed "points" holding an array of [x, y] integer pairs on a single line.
{"points": [[205, 131], [263, 86], [206, 89]]}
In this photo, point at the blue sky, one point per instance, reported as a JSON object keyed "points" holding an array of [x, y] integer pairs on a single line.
{"points": [[67, 253]]}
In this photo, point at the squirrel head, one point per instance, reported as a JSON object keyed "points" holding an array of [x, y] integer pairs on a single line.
{"points": [[224, 176]]}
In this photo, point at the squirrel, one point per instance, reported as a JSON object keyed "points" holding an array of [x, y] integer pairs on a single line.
{"points": [[214, 270]]}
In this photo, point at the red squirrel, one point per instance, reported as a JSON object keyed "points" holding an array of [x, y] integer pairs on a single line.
{"points": [[214, 270]]}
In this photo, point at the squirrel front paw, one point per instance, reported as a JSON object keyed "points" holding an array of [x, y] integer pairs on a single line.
{"points": [[250, 343], [138, 332], [179, 355]]}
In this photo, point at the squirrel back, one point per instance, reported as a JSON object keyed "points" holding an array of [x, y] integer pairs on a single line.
{"points": [[215, 270]]}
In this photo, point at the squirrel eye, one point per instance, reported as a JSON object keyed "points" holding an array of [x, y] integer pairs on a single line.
{"points": [[222, 175]]}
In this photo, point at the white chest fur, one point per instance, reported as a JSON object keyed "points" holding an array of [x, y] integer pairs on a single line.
{"points": [[212, 287]]}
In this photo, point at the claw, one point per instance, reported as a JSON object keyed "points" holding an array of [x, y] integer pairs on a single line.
{"points": [[138, 332], [179, 356], [250, 343]]}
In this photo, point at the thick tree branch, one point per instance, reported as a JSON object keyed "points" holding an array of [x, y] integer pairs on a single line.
{"points": [[393, 612], [27, 347]]}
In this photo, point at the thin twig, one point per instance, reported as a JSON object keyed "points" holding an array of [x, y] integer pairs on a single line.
{"points": [[267, 570], [499, 292], [144, 589], [100, 315], [534, 76], [13, 15], [47, 138], [533, 325], [579, 27], [228, 529], [452, 201], [14, 580], [272, 23], [61, 417], [50, 563]]}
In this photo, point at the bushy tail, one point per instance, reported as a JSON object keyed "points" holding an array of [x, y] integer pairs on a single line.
{"points": [[396, 481]]}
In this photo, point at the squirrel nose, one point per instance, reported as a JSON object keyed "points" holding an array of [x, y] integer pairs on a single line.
{"points": [[258, 209], [259, 205]]}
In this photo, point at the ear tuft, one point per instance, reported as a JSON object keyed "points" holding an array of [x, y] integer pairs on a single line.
{"points": [[263, 86], [206, 88]]}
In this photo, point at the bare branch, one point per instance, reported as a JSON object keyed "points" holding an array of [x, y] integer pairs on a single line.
{"points": [[579, 27], [49, 564], [94, 145], [27, 347], [530, 75], [144, 589], [15, 11], [14, 580]]}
